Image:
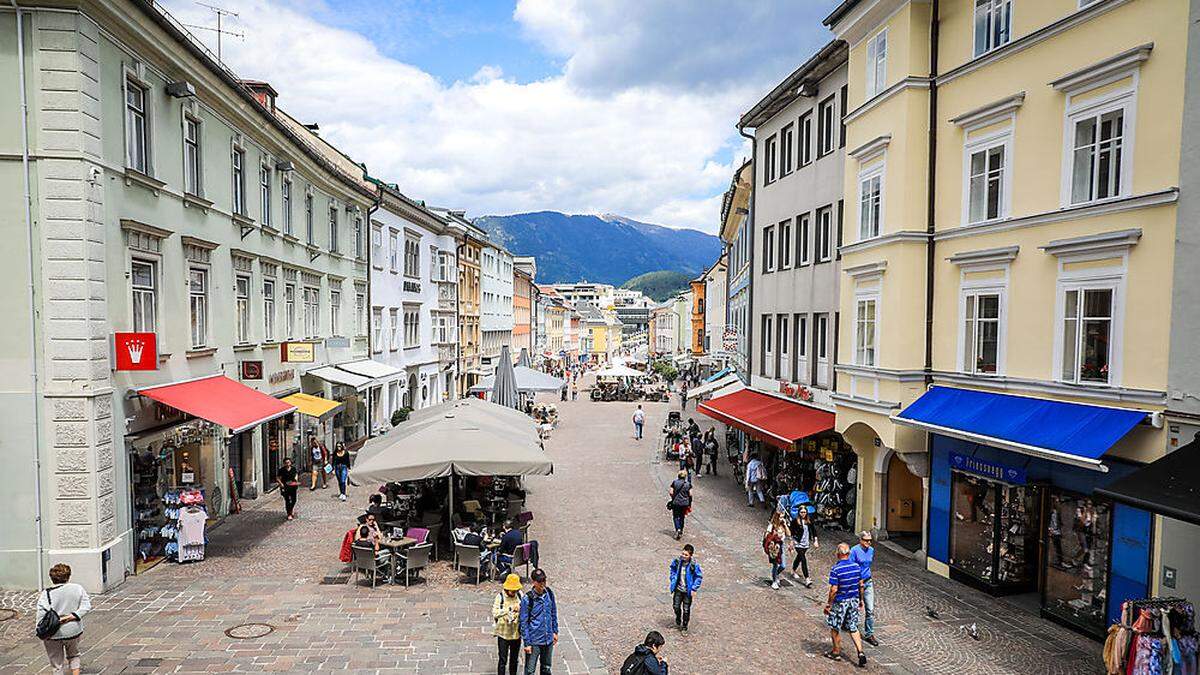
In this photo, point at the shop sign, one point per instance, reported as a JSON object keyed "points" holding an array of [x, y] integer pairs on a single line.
{"points": [[797, 391], [980, 467], [136, 351], [297, 352], [252, 370], [281, 376], [337, 343], [412, 287]]}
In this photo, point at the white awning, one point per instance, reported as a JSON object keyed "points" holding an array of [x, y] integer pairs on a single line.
{"points": [[371, 369], [339, 376], [708, 387]]}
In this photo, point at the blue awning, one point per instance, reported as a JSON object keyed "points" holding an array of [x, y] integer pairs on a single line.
{"points": [[1071, 433], [718, 375]]}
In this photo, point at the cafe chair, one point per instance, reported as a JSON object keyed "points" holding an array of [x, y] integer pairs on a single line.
{"points": [[435, 529], [469, 557], [415, 560], [523, 521], [419, 533], [365, 560], [521, 556]]}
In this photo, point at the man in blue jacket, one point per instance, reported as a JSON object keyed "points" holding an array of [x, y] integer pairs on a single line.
{"points": [[539, 624], [685, 581]]}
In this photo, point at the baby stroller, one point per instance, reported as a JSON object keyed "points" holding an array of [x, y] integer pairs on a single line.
{"points": [[673, 432]]}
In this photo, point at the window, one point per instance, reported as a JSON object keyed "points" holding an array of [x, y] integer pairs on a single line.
{"points": [[310, 227], [412, 257], [239, 181], [377, 246], [800, 366], [289, 310], [285, 199], [981, 332], [268, 310], [986, 184], [870, 203], [821, 347], [191, 156], [377, 328], [864, 332], [825, 133], [393, 329], [806, 132], [335, 312], [769, 153], [877, 64], [360, 313], [993, 24], [803, 234], [824, 243], [783, 339], [394, 251], [766, 345], [1087, 334], [312, 312], [264, 194], [1096, 156], [787, 140], [333, 228], [137, 135], [358, 237], [198, 305], [842, 116], [768, 250], [785, 244], [144, 278], [412, 327], [241, 287]]}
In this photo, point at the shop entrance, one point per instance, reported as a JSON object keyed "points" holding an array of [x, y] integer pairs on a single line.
{"points": [[994, 540], [904, 499]]}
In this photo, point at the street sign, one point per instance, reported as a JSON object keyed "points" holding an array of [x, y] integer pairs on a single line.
{"points": [[252, 370], [297, 352], [136, 351]]}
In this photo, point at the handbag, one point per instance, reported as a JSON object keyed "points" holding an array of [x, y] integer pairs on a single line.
{"points": [[50, 622], [328, 468]]}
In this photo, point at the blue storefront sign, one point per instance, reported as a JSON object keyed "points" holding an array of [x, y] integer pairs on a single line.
{"points": [[992, 470]]}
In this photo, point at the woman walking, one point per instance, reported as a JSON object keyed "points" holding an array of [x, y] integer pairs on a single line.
{"points": [[70, 602], [341, 468], [506, 610], [804, 536], [681, 501], [773, 538]]}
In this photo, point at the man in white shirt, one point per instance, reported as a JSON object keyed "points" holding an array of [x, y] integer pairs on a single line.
{"points": [[639, 420], [754, 480]]}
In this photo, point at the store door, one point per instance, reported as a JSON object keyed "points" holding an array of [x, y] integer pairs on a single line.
{"points": [[904, 499], [241, 461], [994, 533]]}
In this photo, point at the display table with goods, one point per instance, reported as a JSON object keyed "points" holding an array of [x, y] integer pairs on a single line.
{"points": [[826, 468]]}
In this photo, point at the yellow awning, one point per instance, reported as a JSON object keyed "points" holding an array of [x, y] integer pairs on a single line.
{"points": [[313, 406]]}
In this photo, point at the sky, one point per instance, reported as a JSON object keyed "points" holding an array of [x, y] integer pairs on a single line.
{"points": [[499, 107]]}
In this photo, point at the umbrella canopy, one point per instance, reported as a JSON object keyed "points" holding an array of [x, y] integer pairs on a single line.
{"points": [[504, 387], [619, 371], [469, 437], [523, 359], [528, 380]]}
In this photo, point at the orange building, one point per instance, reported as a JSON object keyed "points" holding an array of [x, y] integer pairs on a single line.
{"points": [[698, 286]]}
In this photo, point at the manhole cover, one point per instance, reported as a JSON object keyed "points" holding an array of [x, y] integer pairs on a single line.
{"points": [[6, 614], [249, 631]]}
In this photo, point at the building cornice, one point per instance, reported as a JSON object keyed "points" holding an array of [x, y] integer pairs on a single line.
{"points": [[910, 82], [910, 375], [1149, 199], [987, 256], [883, 240], [145, 228], [1090, 76], [990, 113], [1034, 386], [1115, 242], [871, 148], [885, 408]]}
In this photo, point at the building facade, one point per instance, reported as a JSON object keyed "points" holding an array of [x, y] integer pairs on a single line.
{"points": [[716, 281], [470, 252], [737, 235], [496, 303], [524, 315], [696, 320]]}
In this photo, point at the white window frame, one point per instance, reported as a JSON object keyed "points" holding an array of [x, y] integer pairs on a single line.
{"points": [[140, 294], [976, 288], [359, 250], [377, 246], [804, 242], [787, 149], [237, 164], [199, 302], [285, 204], [826, 119], [801, 333], [360, 313], [146, 163], [335, 312], [860, 299], [825, 246], [876, 64], [312, 311], [785, 244], [1124, 100], [193, 156], [1000, 139], [310, 225], [873, 172], [394, 328], [377, 329], [268, 286], [769, 249], [333, 228], [824, 345], [412, 255], [1111, 278], [394, 251], [771, 156], [289, 310], [804, 139], [241, 309], [265, 194], [995, 10], [412, 329]]}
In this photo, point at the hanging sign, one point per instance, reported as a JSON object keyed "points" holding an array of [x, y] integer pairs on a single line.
{"points": [[252, 370], [979, 467], [297, 352], [136, 351]]}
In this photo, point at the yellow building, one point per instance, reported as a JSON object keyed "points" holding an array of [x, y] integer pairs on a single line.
{"points": [[469, 338], [1004, 328]]}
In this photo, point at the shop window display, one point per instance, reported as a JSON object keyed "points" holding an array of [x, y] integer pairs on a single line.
{"points": [[824, 467], [1077, 554], [994, 533]]}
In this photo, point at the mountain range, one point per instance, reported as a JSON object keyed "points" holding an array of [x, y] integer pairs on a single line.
{"points": [[600, 248]]}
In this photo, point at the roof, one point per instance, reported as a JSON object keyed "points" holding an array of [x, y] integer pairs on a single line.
{"points": [[840, 11], [827, 59], [736, 200], [390, 195]]}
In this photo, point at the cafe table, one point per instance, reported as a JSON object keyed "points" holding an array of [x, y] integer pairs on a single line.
{"points": [[396, 546]]}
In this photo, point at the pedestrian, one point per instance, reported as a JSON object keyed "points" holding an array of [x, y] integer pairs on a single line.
{"points": [[804, 536], [575, 390], [341, 468], [686, 576], [70, 603], [317, 451], [841, 609], [639, 420], [539, 624], [564, 393], [756, 475], [645, 659], [506, 612], [777, 533], [683, 390], [681, 501], [863, 555], [711, 448], [289, 483]]}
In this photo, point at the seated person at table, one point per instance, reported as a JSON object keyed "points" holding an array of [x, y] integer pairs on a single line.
{"points": [[373, 525], [478, 537], [364, 537], [375, 504], [509, 541]]}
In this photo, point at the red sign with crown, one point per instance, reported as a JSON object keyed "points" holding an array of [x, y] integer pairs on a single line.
{"points": [[136, 351]]}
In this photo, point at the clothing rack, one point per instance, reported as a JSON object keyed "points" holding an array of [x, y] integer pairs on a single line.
{"points": [[1156, 602]]}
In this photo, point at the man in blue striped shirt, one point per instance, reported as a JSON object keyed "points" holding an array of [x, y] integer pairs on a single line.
{"points": [[845, 597]]}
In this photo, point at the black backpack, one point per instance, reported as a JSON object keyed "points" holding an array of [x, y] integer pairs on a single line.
{"points": [[635, 664], [50, 622]]}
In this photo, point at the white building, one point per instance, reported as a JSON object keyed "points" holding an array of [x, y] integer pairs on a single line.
{"points": [[600, 295], [413, 305], [496, 303]]}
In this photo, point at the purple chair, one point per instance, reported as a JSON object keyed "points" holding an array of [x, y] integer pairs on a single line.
{"points": [[522, 556], [418, 533]]}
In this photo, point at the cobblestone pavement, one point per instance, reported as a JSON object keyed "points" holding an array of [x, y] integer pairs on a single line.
{"points": [[605, 541]]}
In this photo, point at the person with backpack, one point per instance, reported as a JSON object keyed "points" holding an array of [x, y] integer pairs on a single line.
{"points": [[685, 577], [645, 659], [756, 476], [59, 621], [710, 451], [681, 501], [506, 612], [538, 622], [772, 543], [639, 421]]}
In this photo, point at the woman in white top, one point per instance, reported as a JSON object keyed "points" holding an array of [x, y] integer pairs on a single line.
{"points": [[71, 603]]}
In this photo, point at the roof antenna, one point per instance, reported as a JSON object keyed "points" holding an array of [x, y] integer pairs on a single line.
{"points": [[221, 13]]}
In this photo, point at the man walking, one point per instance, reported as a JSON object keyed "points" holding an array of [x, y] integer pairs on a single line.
{"points": [[639, 420], [863, 555], [289, 483], [539, 624], [683, 396], [681, 501], [685, 581], [841, 609], [755, 476], [646, 659], [710, 451]]}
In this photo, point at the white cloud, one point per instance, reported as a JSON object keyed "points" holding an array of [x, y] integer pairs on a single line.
{"points": [[654, 151]]}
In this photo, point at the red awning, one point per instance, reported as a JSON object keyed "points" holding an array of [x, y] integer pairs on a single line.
{"points": [[220, 400], [768, 418]]}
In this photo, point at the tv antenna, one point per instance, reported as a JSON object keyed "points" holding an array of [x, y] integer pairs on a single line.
{"points": [[219, 30]]}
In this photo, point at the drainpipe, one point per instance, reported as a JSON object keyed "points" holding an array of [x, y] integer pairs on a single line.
{"points": [[931, 191], [35, 384], [750, 254], [369, 229]]}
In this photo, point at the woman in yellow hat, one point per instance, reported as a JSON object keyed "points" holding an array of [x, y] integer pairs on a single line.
{"points": [[506, 610]]}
